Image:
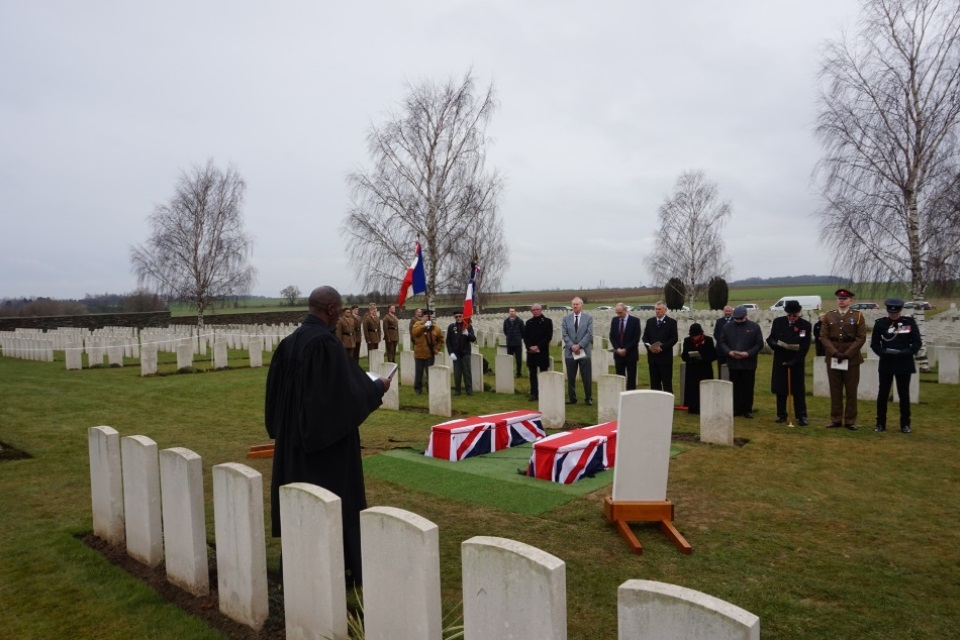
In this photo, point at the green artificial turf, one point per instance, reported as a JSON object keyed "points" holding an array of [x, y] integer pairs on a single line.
{"points": [[491, 480]]}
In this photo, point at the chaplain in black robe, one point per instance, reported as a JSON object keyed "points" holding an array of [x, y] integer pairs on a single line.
{"points": [[317, 398]]}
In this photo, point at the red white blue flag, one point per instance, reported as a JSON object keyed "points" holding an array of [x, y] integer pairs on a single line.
{"points": [[471, 297], [415, 281], [569, 456]]}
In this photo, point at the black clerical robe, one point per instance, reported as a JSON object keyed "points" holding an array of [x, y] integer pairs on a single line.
{"points": [[317, 398]]}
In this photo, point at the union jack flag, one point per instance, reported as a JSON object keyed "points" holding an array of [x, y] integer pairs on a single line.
{"points": [[456, 440], [567, 457]]}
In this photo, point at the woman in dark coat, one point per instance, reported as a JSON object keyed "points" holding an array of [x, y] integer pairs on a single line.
{"points": [[699, 352]]}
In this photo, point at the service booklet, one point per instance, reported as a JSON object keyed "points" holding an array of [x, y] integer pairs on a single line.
{"points": [[839, 365], [791, 347], [388, 375]]}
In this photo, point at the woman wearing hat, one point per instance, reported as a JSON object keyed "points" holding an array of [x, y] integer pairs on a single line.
{"points": [[699, 353], [896, 339]]}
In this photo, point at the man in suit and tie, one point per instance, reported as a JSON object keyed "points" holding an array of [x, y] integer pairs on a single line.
{"points": [[625, 338], [659, 337], [718, 328], [577, 332]]}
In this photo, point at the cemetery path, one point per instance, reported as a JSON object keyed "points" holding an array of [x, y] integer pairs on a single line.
{"points": [[205, 608]]}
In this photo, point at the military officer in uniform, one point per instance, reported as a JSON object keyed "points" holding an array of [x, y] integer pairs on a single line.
{"points": [[345, 331], [357, 331], [371, 328], [896, 339], [391, 332], [843, 334], [790, 340]]}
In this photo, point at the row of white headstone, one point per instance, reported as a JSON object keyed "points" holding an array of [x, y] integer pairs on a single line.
{"points": [[153, 502]]}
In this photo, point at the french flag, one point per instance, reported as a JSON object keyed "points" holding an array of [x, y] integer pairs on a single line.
{"points": [[415, 281], [471, 293]]}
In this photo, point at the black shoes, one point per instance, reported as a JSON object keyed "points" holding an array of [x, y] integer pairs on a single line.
{"points": [[572, 401], [804, 422], [880, 428], [905, 429], [851, 427], [834, 425], [589, 403], [748, 415], [780, 419], [533, 398]]}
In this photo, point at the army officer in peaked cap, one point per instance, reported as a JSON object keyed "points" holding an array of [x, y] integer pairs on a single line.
{"points": [[843, 334], [896, 339]]}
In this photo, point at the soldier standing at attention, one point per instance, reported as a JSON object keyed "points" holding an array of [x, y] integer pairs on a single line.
{"points": [[391, 332], [371, 328], [843, 334], [345, 331], [896, 339], [357, 331]]}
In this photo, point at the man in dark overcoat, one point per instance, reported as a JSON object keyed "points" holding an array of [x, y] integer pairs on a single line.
{"points": [[790, 338]]}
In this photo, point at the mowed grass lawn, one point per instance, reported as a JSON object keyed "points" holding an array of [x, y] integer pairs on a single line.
{"points": [[822, 533]]}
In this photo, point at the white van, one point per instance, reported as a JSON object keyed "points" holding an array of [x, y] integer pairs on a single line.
{"points": [[807, 302]]}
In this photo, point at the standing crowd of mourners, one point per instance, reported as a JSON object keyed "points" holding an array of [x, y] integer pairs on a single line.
{"points": [[838, 335], [317, 396]]}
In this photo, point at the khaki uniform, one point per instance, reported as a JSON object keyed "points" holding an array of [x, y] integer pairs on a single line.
{"points": [[357, 336], [843, 333], [371, 331], [391, 333], [345, 332]]}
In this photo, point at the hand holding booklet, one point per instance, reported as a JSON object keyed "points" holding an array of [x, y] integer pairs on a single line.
{"points": [[388, 374], [790, 347], [840, 365], [693, 355]]}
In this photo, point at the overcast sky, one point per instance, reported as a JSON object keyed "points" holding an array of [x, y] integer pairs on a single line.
{"points": [[603, 105]]}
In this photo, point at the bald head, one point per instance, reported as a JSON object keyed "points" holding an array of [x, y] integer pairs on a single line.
{"points": [[325, 303]]}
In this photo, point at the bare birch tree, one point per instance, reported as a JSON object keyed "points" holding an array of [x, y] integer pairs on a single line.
{"points": [[688, 244], [198, 250], [428, 183], [888, 117]]}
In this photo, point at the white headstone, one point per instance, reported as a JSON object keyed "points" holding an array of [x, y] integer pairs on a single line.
{"points": [[609, 388], [440, 400], [184, 356], [241, 550], [256, 351], [648, 610], [869, 380], [821, 384], [643, 446], [400, 548], [374, 360], [948, 370], [476, 372], [141, 499], [314, 588], [503, 372], [391, 399], [184, 524], [148, 360], [220, 359], [716, 412], [106, 484], [73, 352], [512, 591], [553, 413], [408, 368]]}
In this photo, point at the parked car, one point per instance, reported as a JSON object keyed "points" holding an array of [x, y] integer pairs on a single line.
{"points": [[911, 305], [604, 308], [560, 307], [645, 307], [749, 305], [864, 305]]}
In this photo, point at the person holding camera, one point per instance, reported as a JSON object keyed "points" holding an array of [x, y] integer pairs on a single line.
{"points": [[427, 343]]}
